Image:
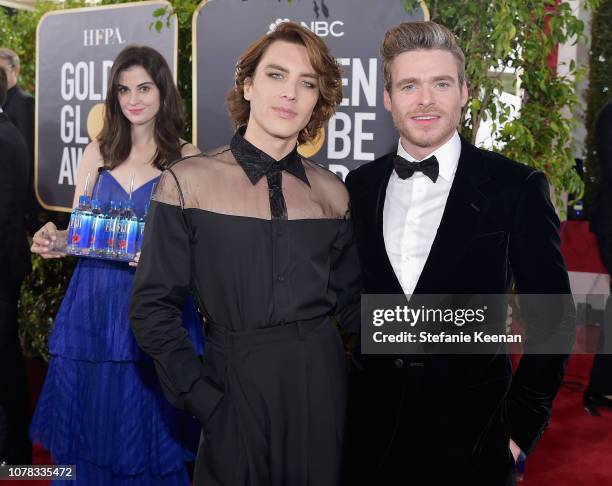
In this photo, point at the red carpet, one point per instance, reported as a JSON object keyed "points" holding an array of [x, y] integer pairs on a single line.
{"points": [[37, 370], [576, 449]]}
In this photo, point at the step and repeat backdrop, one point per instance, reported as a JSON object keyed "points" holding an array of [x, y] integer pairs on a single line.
{"points": [[76, 48]]}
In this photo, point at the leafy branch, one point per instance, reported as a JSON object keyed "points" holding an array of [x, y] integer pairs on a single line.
{"points": [[519, 36]]}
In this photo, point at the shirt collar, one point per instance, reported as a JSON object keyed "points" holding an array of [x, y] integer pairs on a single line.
{"points": [[447, 155], [256, 163]]}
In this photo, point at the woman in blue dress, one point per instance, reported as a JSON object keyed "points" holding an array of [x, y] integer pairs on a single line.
{"points": [[102, 407]]}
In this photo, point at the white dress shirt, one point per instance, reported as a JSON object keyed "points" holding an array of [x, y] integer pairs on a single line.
{"points": [[413, 211]]}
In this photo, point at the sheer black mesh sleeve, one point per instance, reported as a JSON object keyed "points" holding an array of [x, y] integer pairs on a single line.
{"points": [[161, 287], [345, 279]]}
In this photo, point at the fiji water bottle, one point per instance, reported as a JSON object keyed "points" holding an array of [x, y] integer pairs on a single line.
{"points": [[74, 216], [112, 227], [128, 233], [81, 228], [141, 227], [98, 237]]}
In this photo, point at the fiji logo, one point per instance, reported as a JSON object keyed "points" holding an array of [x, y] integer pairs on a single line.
{"points": [[272, 27]]}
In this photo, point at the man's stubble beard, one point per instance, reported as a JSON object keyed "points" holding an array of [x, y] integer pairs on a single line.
{"points": [[424, 139]]}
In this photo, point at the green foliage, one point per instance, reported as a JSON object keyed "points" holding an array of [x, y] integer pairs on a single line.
{"points": [[18, 29], [41, 294], [520, 35], [600, 89], [183, 9]]}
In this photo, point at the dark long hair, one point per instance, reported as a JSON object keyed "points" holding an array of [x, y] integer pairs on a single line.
{"points": [[115, 138]]}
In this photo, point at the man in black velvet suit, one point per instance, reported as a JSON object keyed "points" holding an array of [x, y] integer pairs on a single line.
{"points": [[15, 447], [466, 221]]}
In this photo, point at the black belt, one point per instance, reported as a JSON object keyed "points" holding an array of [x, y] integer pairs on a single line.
{"points": [[221, 335]]}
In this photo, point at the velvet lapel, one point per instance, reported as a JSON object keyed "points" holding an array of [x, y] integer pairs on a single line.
{"points": [[463, 212], [389, 280]]}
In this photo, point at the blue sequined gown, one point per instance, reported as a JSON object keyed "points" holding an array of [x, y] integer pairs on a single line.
{"points": [[101, 407]]}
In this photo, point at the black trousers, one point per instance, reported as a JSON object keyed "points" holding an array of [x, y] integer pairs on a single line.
{"points": [[15, 447], [601, 373], [395, 437], [600, 381]]}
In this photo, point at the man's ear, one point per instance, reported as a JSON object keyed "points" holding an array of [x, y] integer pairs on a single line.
{"points": [[387, 100], [247, 87], [464, 94]]}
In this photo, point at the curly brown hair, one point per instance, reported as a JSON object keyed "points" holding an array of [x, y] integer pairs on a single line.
{"points": [[324, 64]]}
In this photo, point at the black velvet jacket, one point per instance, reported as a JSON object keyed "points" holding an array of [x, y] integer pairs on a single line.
{"points": [[498, 226]]}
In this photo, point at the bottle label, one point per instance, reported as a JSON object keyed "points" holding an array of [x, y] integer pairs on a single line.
{"points": [[127, 237], [112, 227], [81, 231], [73, 217], [99, 237], [84, 230]]}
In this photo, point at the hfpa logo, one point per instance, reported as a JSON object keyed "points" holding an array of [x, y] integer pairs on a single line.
{"points": [[320, 27]]}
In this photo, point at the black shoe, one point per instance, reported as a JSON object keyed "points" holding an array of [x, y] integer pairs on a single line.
{"points": [[592, 401]]}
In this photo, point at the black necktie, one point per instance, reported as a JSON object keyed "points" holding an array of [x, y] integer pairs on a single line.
{"points": [[406, 169], [278, 208]]}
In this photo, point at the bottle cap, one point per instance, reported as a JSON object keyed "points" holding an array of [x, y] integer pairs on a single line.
{"points": [[84, 200]]}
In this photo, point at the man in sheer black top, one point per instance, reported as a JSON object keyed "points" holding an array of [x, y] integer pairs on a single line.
{"points": [[262, 238]]}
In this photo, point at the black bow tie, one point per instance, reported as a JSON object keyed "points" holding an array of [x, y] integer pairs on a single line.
{"points": [[406, 169]]}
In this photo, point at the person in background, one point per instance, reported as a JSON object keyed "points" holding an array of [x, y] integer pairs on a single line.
{"points": [[599, 390], [15, 447], [19, 106], [101, 407]]}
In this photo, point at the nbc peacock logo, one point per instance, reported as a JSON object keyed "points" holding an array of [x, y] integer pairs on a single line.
{"points": [[272, 27]]}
